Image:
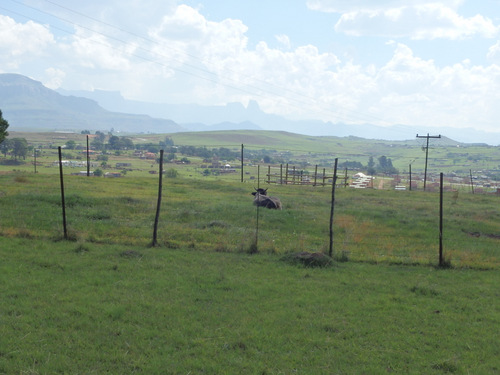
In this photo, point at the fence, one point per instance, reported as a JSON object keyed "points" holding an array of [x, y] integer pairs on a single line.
{"points": [[290, 175]]}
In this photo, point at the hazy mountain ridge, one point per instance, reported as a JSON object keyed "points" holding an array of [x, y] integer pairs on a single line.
{"points": [[27, 104], [194, 117]]}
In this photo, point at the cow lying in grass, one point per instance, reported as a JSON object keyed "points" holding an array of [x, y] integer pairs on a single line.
{"points": [[263, 200]]}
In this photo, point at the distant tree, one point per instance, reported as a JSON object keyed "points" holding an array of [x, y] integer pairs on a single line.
{"points": [[351, 165], [385, 166], [114, 142], [101, 136], [19, 148], [97, 144], [3, 128], [70, 145], [6, 146], [98, 172], [85, 132], [167, 142], [171, 173]]}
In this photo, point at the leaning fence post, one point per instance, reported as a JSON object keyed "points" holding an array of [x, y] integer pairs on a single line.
{"points": [[63, 202], [330, 252], [158, 205]]}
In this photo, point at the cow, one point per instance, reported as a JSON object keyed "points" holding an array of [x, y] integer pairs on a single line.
{"points": [[263, 200]]}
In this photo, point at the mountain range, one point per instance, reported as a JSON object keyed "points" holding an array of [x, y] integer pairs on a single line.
{"points": [[29, 105]]}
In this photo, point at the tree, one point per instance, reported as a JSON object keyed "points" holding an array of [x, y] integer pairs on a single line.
{"points": [[6, 146], [3, 128], [20, 147], [385, 165], [70, 145], [114, 142]]}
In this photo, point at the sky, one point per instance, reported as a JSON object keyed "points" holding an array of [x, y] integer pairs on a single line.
{"points": [[383, 62]]}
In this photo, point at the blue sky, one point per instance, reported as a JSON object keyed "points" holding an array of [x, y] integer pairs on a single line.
{"points": [[385, 62]]}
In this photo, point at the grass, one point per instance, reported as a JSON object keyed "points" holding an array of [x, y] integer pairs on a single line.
{"points": [[105, 302], [375, 226], [73, 308]]}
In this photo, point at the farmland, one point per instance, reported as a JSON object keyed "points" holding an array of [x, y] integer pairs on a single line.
{"points": [[105, 301], [458, 161]]}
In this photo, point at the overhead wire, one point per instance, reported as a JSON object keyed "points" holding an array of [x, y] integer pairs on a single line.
{"points": [[211, 77]]}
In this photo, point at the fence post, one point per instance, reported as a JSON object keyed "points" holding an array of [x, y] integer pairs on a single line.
{"points": [[255, 247], [330, 252], [471, 182], [158, 204], [409, 170], [281, 174], [88, 157], [242, 162], [63, 202], [441, 259]]}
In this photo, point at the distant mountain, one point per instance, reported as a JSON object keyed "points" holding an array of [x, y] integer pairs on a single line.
{"points": [[234, 115], [27, 104]]}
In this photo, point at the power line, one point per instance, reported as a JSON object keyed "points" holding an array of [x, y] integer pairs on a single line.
{"points": [[216, 79]]}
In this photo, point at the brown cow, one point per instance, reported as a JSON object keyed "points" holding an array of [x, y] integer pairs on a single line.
{"points": [[263, 200]]}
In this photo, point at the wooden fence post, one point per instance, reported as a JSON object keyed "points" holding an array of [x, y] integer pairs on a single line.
{"points": [[88, 157], [471, 182], [330, 252], [441, 259], [242, 162], [158, 204], [63, 202]]}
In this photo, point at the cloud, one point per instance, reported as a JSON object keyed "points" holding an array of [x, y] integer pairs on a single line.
{"points": [[183, 57], [417, 19], [20, 41], [347, 6]]}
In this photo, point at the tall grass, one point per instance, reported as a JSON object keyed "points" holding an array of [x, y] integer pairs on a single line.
{"points": [[370, 225]]}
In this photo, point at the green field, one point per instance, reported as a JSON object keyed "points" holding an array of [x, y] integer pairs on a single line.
{"points": [[203, 302]]}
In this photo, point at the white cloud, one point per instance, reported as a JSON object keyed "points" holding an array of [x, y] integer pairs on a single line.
{"points": [[284, 41], [494, 52], [347, 6], [430, 21], [186, 58], [20, 41], [54, 78], [95, 51], [417, 19]]}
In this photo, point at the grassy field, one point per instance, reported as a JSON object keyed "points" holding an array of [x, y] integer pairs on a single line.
{"points": [[104, 301], [380, 226], [126, 309], [444, 156]]}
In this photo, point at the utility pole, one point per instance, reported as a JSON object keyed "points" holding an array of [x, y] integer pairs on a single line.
{"points": [[427, 153]]}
